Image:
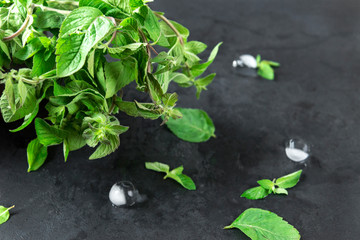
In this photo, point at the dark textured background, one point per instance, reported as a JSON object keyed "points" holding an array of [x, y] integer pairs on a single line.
{"points": [[315, 96]]}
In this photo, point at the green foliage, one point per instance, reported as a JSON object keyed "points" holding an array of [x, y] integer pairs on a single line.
{"points": [[277, 186], [266, 68], [260, 224], [194, 126], [4, 214], [175, 174], [80, 88]]}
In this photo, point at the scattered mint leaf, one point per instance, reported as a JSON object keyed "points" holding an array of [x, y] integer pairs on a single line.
{"points": [[158, 167], [255, 193], [4, 214], [276, 186], [289, 180], [176, 174], [260, 224]]}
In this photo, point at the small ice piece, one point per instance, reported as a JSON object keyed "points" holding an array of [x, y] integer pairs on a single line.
{"points": [[296, 155], [297, 150], [117, 195], [248, 60], [234, 64], [124, 194]]}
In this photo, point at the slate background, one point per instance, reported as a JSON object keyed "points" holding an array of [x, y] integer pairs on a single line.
{"points": [[315, 96]]}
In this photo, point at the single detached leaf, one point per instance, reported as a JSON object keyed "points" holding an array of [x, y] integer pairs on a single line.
{"points": [[255, 193], [266, 71], [194, 126], [4, 214], [266, 183], [289, 180], [260, 224], [36, 155], [158, 167]]}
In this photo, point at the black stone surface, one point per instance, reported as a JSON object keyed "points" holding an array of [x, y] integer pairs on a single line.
{"points": [[315, 96]]}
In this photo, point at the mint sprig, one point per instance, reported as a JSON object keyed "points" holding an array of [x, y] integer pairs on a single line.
{"points": [[175, 174], [276, 186], [266, 68]]}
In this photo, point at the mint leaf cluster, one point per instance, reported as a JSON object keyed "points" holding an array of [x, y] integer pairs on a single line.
{"points": [[276, 186], [52, 54]]}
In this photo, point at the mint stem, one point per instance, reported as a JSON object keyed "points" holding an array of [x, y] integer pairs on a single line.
{"points": [[21, 29], [172, 27], [64, 12]]}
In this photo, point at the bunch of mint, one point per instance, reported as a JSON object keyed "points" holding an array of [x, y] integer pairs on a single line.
{"points": [[52, 54]]}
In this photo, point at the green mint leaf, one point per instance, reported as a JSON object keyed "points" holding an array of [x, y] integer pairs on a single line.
{"points": [[42, 64], [194, 126], [255, 193], [5, 49], [9, 111], [175, 174], [66, 150], [184, 180], [181, 79], [149, 22], [258, 60], [195, 47], [280, 191], [114, 8], [170, 99], [124, 51], [78, 37], [4, 214], [48, 135], [36, 155], [51, 20], [199, 69], [105, 149], [22, 90], [29, 50], [289, 180], [157, 166], [155, 89], [266, 71], [266, 183], [202, 83], [119, 74], [134, 109], [260, 224], [273, 64]]}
